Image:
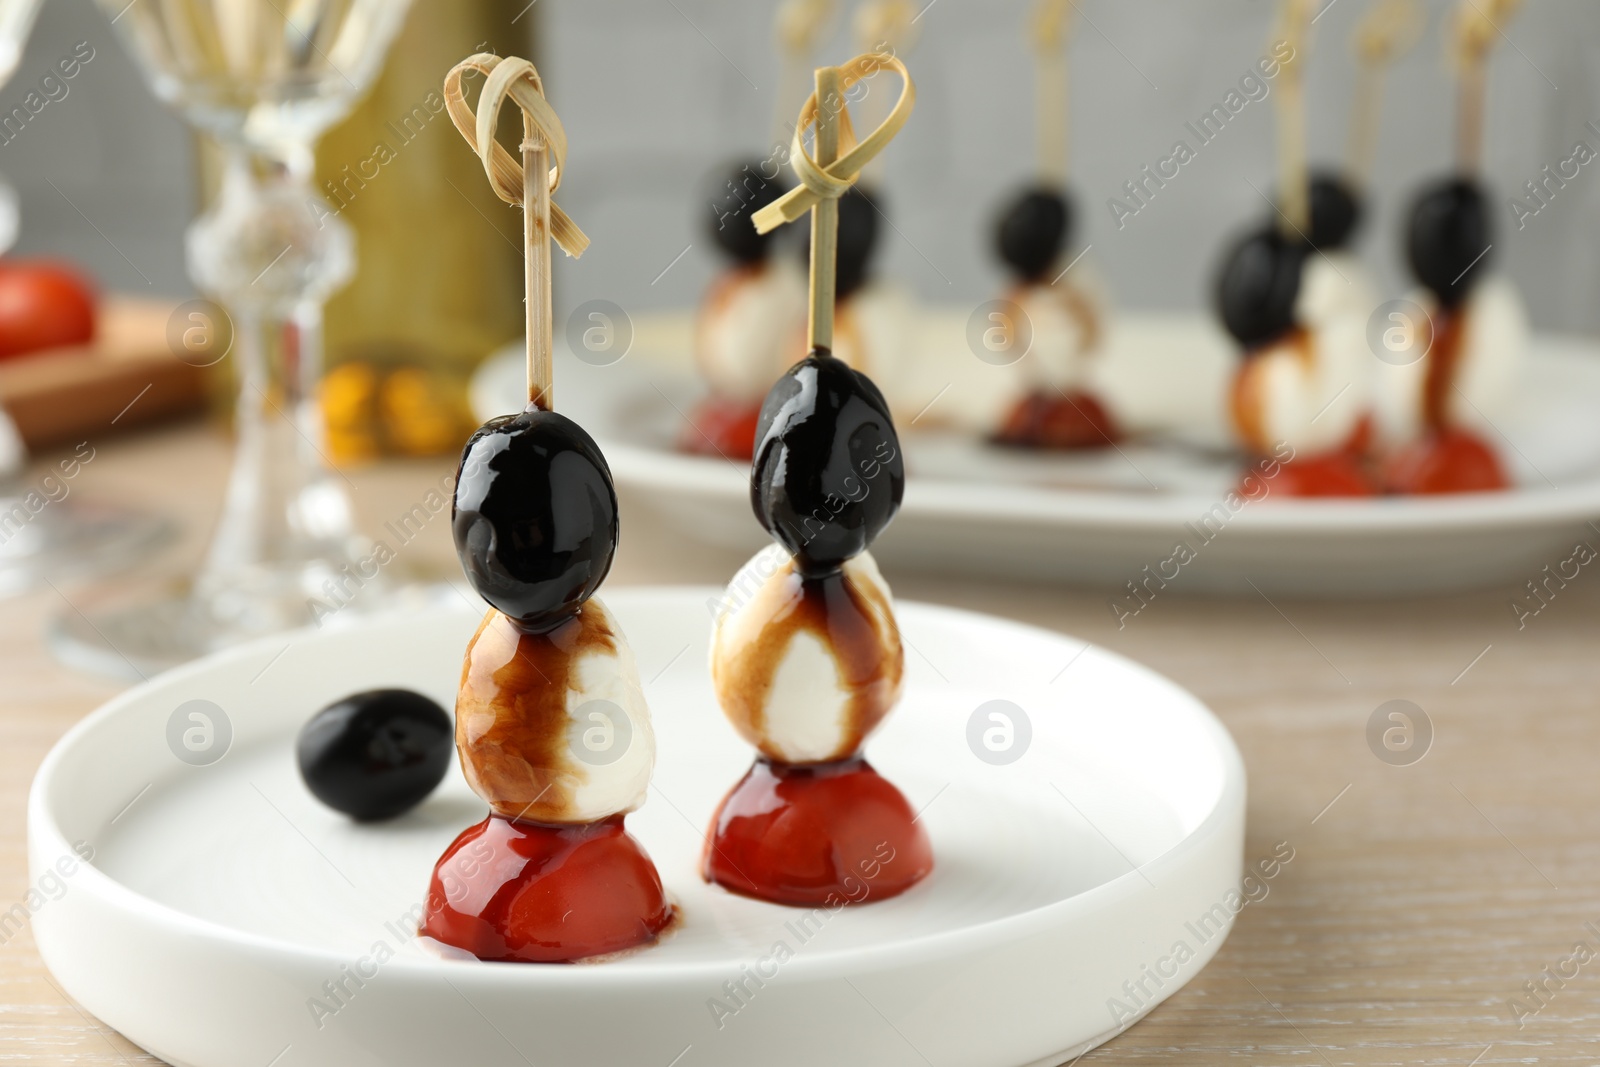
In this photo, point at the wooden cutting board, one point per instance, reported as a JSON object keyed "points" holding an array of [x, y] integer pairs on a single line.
{"points": [[128, 377]]}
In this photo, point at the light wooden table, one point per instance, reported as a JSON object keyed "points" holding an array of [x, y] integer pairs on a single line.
{"points": [[1420, 898]]}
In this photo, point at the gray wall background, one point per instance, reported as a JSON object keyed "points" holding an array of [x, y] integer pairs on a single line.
{"points": [[121, 165], [657, 93]]}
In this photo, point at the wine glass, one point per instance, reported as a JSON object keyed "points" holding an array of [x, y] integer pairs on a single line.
{"points": [[43, 538], [16, 22], [263, 79]]}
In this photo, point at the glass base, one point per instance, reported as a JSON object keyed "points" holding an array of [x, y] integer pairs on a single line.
{"points": [[137, 638], [72, 540]]}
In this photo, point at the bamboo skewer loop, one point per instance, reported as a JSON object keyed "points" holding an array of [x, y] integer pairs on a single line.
{"points": [[517, 79], [530, 184], [829, 182], [798, 26], [825, 175], [888, 27]]}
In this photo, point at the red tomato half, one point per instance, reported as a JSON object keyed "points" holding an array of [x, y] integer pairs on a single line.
{"points": [[43, 305]]}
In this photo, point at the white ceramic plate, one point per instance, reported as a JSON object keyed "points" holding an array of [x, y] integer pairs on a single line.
{"points": [[1102, 518], [222, 898]]}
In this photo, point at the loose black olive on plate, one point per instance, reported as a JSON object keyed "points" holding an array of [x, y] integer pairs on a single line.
{"points": [[737, 193], [828, 475], [1032, 231], [1448, 237], [1258, 285], [377, 754], [534, 517]]}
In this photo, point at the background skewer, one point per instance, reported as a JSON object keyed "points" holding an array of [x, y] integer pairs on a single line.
{"points": [[536, 267], [825, 215]]}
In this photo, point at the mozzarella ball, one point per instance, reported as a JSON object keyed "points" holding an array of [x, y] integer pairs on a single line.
{"points": [[1308, 390], [1332, 285], [1492, 346], [1065, 322], [806, 669], [553, 727], [872, 332], [746, 330]]}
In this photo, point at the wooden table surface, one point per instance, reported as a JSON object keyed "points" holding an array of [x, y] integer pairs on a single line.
{"points": [[1420, 899]]}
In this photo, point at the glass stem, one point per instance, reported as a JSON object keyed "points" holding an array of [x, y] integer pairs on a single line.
{"points": [[285, 542]]}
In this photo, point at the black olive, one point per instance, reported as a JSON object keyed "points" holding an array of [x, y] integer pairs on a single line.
{"points": [[534, 517], [1448, 237], [828, 475], [736, 194], [377, 754], [1033, 230], [858, 238], [1258, 285], [1335, 211]]}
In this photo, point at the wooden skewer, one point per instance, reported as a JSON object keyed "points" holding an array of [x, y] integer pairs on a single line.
{"points": [[1388, 30], [1477, 29], [1294, 194], [825, 216], [888, 27], [1048, 31], [544, 151], [536, 267], [1052, 118], [798, 25], [828, 171], [819, 183], [1362, 141], [1469, 118]]}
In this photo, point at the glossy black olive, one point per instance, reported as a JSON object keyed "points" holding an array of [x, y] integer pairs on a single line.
{"points": [[1448, 237], [735, 195], [1033, 230], [377, 754], [1335, 211], [535, 516], [1258, 285], [858, 239], [828, 474]]}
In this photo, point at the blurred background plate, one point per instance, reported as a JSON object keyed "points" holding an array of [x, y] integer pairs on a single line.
{"points": [[1103, 518]]}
